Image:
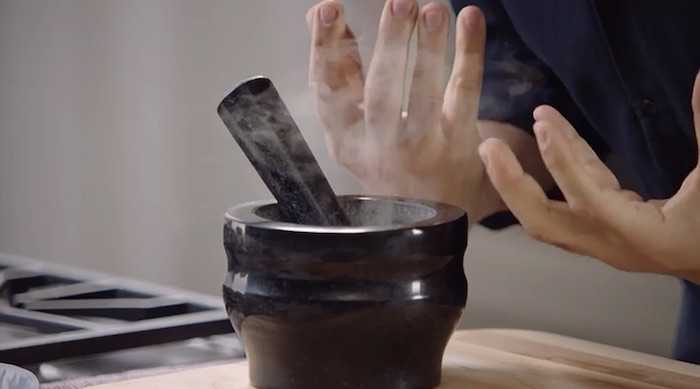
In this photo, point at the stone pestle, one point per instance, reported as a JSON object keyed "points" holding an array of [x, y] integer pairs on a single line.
{"points": [[259, 121]]}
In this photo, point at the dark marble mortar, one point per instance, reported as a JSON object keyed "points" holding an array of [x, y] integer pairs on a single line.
{"points": [[370, 306]]}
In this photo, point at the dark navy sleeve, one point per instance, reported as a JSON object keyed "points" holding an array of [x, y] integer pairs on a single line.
{"points": [[687, 346]]}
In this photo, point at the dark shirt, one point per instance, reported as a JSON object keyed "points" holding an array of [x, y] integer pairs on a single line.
{"points": [[622, 72]]}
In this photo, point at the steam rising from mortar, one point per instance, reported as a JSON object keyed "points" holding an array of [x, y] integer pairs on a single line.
{"points": [[366, 146], [259, 121], [338, 93]]}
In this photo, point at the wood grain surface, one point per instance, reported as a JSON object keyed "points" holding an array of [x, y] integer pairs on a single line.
{"points": [[493, 359]]}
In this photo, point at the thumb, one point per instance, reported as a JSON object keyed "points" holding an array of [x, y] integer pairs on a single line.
{"points": [[689, 191], [696, 111], [691, 185]]}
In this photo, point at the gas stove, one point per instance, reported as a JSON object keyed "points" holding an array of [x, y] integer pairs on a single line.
{"points": [[53, 313]]}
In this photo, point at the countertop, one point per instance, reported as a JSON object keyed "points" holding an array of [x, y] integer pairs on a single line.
{"points": [[492, 358]]}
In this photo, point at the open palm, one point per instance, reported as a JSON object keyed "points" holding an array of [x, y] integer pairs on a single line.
{"points": [[599, 218]]}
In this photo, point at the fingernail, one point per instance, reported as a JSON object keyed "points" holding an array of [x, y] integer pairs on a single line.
{"points": [[469, 15], [329, 14], [433, 19], [402, 8]]}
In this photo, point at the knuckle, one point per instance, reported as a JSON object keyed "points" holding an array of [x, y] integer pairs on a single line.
{"points": [[588, 210], [339, 154], [427, 109], [507, 184], [464, 85], [318, 43], [535, 231], [624, 266], [434, 101], [374, 119], [343, 151], [346, 159], [581, 207], [327, 114], [551, 158], [376, 113], [517, 182], [422, 73], [513, 183], [425, 71]]}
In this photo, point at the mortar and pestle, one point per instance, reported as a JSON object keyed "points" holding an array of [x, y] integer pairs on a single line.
{"points": [[334, 292]]}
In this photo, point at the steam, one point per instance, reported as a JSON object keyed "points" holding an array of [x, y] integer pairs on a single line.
{"points": [[510, 83], [362, 145], [357, 142], [371, 212]]}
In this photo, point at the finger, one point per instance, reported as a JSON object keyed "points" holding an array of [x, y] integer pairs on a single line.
{"points": [[386, 75], [335, 72], [689, 192], [427, 88], [546, 220], [696, 110], [547, 116], [464, 87], [310, 17], [557, 153], [687, 196]]}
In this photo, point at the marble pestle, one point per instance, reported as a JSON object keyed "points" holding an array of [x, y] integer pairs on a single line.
{"points": [[259, 121]]}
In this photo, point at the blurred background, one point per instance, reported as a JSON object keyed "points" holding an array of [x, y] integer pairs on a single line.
{"points": [[112, 158]]}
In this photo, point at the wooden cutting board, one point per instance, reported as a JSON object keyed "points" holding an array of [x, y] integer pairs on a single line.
{"points": [[493, 359]]}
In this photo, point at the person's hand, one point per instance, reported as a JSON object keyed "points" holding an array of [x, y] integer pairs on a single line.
{"points": [[431, 151], [600, 219]]}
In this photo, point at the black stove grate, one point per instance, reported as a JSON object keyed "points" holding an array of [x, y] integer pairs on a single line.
{"points": [[49, 312]]}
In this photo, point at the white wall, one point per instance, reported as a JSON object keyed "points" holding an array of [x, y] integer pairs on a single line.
{"points": [[112, 157]]}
